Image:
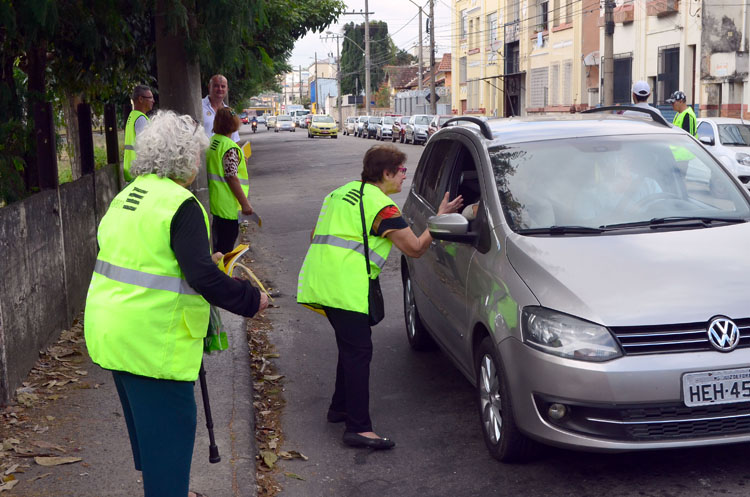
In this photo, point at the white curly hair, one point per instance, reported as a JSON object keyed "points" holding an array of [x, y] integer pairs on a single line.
{"points": [[169, 146]]}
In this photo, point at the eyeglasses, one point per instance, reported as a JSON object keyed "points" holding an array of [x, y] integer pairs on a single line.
{"points": [[402, 170], [147, 98]]}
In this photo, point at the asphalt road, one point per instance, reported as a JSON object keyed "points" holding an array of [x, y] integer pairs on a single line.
{"points": [[418, 399]]}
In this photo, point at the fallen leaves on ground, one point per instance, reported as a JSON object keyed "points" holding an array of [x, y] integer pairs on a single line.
{"points": [[55, 460]]}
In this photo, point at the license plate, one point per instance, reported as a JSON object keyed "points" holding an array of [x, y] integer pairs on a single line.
{"points": [[716, 387]]}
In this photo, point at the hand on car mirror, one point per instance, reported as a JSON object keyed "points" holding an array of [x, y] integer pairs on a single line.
{"points": [[448, 207]]}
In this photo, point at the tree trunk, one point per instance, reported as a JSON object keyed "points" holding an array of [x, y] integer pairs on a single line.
{"points": [[72, 145]]}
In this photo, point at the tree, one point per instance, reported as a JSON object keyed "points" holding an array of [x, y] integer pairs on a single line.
{"points": [[353, 59]]}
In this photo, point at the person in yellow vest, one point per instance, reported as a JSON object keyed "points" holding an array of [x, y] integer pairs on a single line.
{"points": [[228, 183], [147, 308], [684, 117], [333, 278], [143, 102]]}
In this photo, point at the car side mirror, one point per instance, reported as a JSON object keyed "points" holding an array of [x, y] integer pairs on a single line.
{"points": [[707, 140], [451, 228]]}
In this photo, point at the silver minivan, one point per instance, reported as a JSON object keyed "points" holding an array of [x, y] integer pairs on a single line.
{"points": [[596, 289]]}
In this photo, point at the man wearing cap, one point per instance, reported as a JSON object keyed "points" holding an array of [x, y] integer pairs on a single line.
{"points": [[684, 117], [641, 92]]}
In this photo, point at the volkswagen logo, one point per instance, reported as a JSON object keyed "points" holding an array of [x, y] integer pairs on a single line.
{"points": [[723, 334]]}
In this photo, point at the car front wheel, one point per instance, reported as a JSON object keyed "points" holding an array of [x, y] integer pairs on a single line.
{"points": [[418, 336], [501, 435]]}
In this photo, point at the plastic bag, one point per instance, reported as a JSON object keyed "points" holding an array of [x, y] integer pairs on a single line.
{"points": [[216, 338]]}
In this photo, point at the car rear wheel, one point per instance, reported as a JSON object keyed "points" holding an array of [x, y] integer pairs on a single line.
{"points": [[418, 336], [335, 136], [501, 435]]}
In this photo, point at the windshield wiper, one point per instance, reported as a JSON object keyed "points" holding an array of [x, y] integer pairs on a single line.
{"points": [[677, 220], [563, 230]]}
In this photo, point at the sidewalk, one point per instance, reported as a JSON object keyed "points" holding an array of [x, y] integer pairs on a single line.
{"points": [[83, 419]]}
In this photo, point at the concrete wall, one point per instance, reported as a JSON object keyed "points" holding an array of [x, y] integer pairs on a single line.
{"points": [[48, 242]]}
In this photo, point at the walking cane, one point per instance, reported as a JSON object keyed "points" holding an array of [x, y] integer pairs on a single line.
{"points": [[213, 450]]}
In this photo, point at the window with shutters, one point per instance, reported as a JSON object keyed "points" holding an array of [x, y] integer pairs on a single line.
{"points": [[567, 76], [491, 30], [462, 70], [464, 24], [539, 80], [554, 83]]}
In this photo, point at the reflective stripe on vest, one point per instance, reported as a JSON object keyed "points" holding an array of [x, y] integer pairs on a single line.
{"points": [[334, 273], [351, 245], [222, 201], [129, 155], [146, 280], [141, 314]]}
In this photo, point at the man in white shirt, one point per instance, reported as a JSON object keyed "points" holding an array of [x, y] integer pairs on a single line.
{"points": [[641, 92], [217, 92]]}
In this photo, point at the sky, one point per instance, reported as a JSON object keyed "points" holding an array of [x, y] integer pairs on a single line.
{"points": [[403, 26]]}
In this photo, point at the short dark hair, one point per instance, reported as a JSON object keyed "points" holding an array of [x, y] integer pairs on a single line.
{"points": [[140, 91], [226, 122], [639, 98], [379, 160]]}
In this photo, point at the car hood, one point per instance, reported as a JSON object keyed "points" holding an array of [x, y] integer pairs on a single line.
{"points": [[639, 279]]}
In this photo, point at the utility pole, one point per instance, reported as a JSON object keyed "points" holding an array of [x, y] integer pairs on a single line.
{"points": [[433, 97], [300, 84], [420, 77], [338, 81], [608, 61], [317, 92], [367, 56]]}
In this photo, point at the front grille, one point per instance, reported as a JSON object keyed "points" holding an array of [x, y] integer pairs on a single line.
{"points": [[652, 423], [667, 339]]}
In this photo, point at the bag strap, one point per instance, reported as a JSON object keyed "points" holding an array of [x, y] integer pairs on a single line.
{"points": [[364, 228]]}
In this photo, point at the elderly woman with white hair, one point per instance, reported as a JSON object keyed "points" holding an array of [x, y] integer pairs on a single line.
{"points": [[147, 308]]}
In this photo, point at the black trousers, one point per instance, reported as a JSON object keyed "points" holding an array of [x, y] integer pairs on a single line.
{"points": [[224, 233], [352, 394]]}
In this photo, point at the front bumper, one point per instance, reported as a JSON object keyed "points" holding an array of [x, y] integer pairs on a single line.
{"points": [[323, 132], [630, 403]]}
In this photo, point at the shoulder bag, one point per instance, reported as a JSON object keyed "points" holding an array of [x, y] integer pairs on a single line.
{"points": [[376, 307]]}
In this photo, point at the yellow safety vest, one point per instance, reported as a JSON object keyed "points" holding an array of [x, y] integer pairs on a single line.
{"points": [[129, 155], [141, 315], [678, 118], [222, 201], [333, 273]]}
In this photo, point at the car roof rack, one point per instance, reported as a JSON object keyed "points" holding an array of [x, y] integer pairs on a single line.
{"points": [[483, 126], [655, 114]]}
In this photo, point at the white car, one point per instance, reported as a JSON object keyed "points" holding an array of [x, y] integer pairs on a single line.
{"points": [[728, 139]]}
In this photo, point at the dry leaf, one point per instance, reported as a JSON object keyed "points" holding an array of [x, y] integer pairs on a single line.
{"points": [[292, 454], [292, 475], [269, 458], [47, 445], [45, 475], [27, 399], [9, 485], [272, 377], [50, 418], [55, 461], [80, 372], [12, 469]]}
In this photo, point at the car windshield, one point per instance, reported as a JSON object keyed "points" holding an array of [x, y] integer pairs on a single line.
{"points": [[735, 134], [405, 119], [375, 120], [442, 120], [322, 119], [387, 120], [612, 182], [284, 118], [422, 120], [363, 119]]}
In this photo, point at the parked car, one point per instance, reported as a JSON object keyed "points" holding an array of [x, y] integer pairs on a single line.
{"points": [[285, 123], [416, 128], [351, 124], [261, 120], [399, 128], [597, 300], [436, 123], [322, 125], [385, 128], [371, 128], [271, 122], [361, 121], [728, 140]]}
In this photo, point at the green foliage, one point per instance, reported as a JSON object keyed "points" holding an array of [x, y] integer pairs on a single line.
{"points": [[353, 59], [383, 97]]}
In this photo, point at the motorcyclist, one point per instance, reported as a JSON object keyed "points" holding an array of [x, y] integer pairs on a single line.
{"points": [[254, 123]]}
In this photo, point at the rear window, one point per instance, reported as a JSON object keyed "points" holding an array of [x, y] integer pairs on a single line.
{"points": [[608, 181]]}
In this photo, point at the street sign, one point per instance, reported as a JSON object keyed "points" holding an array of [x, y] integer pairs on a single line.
{"points": [[427, 97]]}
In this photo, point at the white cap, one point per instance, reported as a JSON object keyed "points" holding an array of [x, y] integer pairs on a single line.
{"points": [[641, 89]]}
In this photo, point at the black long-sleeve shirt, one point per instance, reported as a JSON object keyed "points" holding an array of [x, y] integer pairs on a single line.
{"points": [[189, 240]]}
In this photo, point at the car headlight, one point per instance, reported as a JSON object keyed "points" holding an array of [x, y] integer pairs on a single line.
{"points": [[278, 125], [566, 336], [743, 159]]}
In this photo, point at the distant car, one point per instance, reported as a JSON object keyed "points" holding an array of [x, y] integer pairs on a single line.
{"points": [[728, 140], [350, 126], [436, 123], [285, 123], [385, 128], [360, 124], [270, 122], [261, 120], [372, 127], [416, 128], [322, 125], [398, 128], [244, 118]]}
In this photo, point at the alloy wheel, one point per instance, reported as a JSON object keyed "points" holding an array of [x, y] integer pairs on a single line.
{"points": [[489, 398], [410, 309]]}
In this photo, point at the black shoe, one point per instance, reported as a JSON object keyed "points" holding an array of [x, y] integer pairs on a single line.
{"points": [[357, 440], [335, 416]]}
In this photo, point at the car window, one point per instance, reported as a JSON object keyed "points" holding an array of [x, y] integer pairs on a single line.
{"points": [[439, 156], [422, 120], [322, 119], [706, 130], [374, 120], [610, 181], [735, 134], [405, 119], [387, 120], [443, 120], [284, 118]]}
